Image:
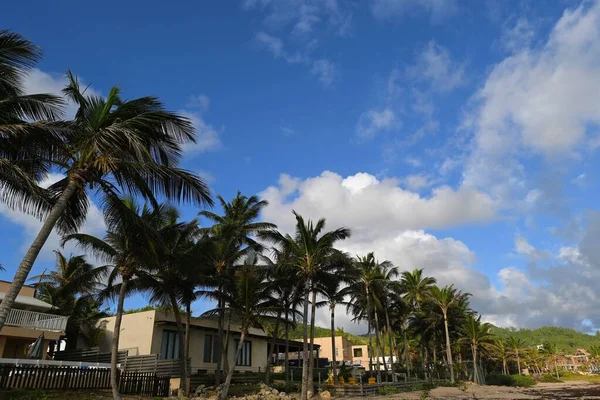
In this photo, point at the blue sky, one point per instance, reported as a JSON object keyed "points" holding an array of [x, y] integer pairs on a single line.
{"points": [[453, 136]]}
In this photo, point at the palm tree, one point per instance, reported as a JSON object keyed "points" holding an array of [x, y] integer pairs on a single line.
{"points": [[125, 248], [232, 234], [516, 346], [251, 303], [502, 352], [367, 290], [311, 251], [26, 125], [551, 351], [415, 288], [334, 297], [445, 298], [133, 145], [478, 336], [71, 289]]}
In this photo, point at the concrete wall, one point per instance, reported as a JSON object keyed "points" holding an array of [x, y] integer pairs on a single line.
{"points": [[364, 359], [137, 333], [25, 290], [343, 346]]}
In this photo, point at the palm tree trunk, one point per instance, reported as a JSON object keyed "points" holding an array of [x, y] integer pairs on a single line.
{"points": [[448, 350], [475, 372], [504, 366], [225, 343], [311, 366], [390, 340], [370, 338], [304, 394], [287, 347], [556, 369], [370, 348], [519, 362], [220, 323], [334, 361], [379, 349], [272, 350], [182, 359], [406, 354], [114, 356], [188, 327], [227, 384], [35, 248]]}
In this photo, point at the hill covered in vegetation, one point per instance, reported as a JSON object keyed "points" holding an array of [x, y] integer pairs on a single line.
{"points": [[325, 332], [566, 339]]}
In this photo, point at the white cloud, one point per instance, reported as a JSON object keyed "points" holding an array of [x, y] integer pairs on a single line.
{"points": [[517, 36], [545, 98], [325, 70], [435, 66], [373, 207], [271, 43], [373, 122], [418, 182], [201, 102], [439, 9], [207, 137]]}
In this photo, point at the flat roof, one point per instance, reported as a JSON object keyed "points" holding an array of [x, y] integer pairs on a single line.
{"points": [[29, 302]]}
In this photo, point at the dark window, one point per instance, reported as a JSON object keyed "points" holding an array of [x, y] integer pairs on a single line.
{"points": [[169, 349], [357, 353], [245, 358], [208, 348], [212, 348]]}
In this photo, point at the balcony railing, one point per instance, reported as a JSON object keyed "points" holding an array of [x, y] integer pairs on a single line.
{"points": [[36, 320]]}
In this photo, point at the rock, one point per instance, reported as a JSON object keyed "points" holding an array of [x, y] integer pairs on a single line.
{"points": [[325, 395], [275, 391], [213, 398]]}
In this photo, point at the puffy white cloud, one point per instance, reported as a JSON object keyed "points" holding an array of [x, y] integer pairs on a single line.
{"points": [[207, 137], [373, 207], [271, 43], [373, 122], [439, 9]]}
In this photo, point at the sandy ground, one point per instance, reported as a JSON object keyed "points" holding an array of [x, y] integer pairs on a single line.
{"points": [[549, 391]]}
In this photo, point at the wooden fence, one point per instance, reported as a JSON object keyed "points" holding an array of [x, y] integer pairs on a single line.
{"points": [[63, 377], [88, 355], [369, 390]]}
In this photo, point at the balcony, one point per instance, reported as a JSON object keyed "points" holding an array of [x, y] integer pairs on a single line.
{"points": [[36, 320]]}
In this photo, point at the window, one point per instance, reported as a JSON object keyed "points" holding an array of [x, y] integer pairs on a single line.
{"points": [[169, 349], [212, 348], [245, 358], [358, 353]]}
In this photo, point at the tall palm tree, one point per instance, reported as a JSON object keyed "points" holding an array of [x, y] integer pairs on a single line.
{"points": [[502, 352], [367, 290], [251, 303], [311, 251], [415, 288], [516, 346], [71, 289], [26, 125], [233, 235], [130, 228], [132, 145], [551, 351], [444, 298], [478, 336], [334, 297]]}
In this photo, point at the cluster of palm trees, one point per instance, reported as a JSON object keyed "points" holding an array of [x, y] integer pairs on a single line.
{"points": [[126, 154]]}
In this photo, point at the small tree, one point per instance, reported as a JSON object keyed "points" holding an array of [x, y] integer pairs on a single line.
{"points": [[478, 336], [516, 346], [551, 351]]}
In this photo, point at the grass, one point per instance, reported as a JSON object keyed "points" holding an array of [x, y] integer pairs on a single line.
{"points": [[571, 377]]}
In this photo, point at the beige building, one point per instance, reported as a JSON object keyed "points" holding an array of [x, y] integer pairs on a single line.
{"points": [[27, 320], [360, 355], [343, 348], [154, 332]]}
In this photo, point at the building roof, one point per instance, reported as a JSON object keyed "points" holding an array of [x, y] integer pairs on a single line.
{"points": [[28, 301]]}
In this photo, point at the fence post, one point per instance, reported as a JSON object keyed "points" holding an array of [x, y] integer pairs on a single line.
{"points": [[292, 375], [319, 377]]}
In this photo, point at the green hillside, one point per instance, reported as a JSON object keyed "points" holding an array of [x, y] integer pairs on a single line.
{"points": [[566, 339], [324, 332]]}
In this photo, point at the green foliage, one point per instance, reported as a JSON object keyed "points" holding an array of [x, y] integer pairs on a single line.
{"points": [[387, 390], [296, 334], [549, 378], [25, 394], [509, 380], [566, 339], [287, 387]]}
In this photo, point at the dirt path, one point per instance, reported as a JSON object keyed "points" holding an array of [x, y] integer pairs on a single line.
{"points": [[546, 391]]}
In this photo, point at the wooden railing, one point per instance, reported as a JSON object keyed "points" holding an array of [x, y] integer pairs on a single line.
{"points": [[36, 320]]}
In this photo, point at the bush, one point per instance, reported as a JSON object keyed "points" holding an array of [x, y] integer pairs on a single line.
{"points": [[287, 387], [549, 378], [509, 380], [387, 390]]}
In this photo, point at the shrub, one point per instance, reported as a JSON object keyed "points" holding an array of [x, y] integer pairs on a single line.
{"points": [[387, 390], [287, 387], [549, 378], [509, 380]]}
